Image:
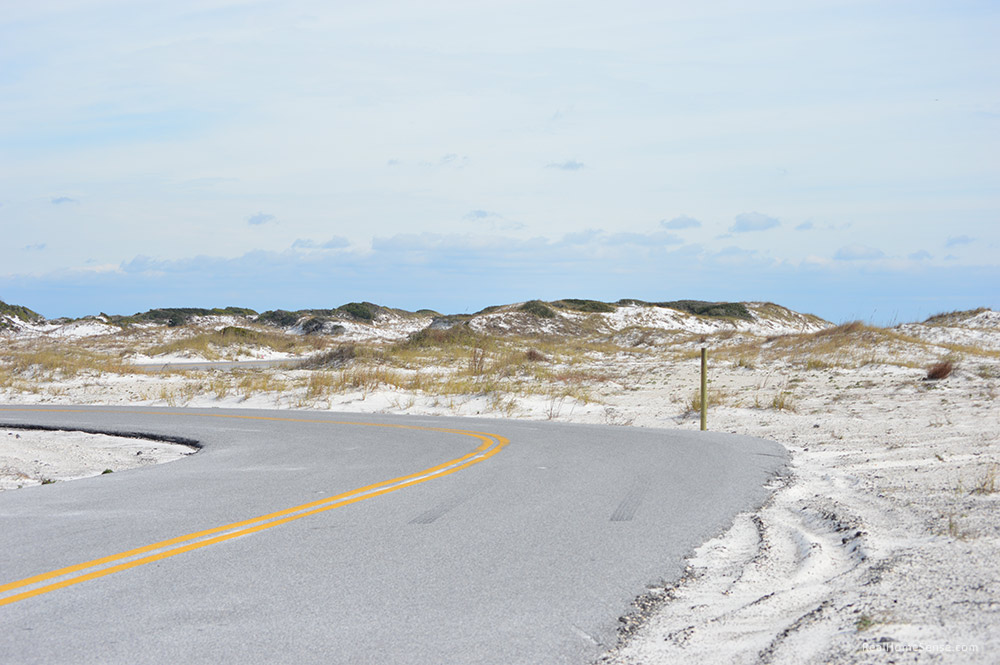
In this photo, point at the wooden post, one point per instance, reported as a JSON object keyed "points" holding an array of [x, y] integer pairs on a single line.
{"points": [[704, 389]]}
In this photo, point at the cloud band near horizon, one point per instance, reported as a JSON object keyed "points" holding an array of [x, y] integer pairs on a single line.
{"points": [[442, 272]]}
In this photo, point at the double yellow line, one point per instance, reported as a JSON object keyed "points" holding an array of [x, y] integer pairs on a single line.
{"points": [[490, 444]]}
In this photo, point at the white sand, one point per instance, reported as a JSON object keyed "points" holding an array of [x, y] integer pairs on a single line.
{"points": [[879, 545], [34, 457], [876, 540]]}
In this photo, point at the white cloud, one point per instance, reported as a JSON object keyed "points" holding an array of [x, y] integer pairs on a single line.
{"points": [[510, 251], [260, 218], [681, 222], [455, 273], [568, 165], [492, 220], [336, 242], [584, 237], [753, 221], [644, 239], [453, 160], [955, 241], [858, 252]]}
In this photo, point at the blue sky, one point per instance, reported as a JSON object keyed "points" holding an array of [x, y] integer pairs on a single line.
{"points": [[840, 158]]}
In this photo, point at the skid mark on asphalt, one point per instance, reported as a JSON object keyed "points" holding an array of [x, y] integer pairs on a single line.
{"points": [[628, 507], [428, 516], [437, 511], [451, 502]]}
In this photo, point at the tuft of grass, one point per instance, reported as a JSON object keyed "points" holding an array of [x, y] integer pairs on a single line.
{"points": [[106, 471], [941, 370], [7, 379], [944, 318], [47, 359], [477, 361], [335, 358], [988, 482], [280, 318], [315, 325], [783, 401], [457, 335], [238, 333], [168, 396], [368, 379], [500, 403], [220, 386], [955, 529], [865, 622], [320, 384], [725, 310], [47, 481], [257, 381], [770, 310], [537, 308], [579, 305], [848, 328], [361, 311], [533, 356], [715, 398]]}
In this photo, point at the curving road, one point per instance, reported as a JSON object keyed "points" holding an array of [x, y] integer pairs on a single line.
{"points": [[304, 537]]}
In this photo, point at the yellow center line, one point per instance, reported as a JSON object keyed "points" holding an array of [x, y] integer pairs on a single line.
{"points": [[489, 446]]}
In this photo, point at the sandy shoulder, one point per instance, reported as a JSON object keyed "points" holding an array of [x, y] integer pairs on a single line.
{"points": [[879, 545], [34, 457]]}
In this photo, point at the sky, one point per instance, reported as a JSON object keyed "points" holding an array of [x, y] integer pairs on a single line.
{"points": [[840, 158]]}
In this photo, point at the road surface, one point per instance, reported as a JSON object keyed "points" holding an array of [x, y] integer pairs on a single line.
{"points": [[312, 537]]}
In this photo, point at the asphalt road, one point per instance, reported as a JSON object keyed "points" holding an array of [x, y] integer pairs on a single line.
{"points": [[521, 545]]}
